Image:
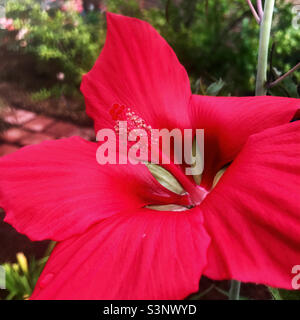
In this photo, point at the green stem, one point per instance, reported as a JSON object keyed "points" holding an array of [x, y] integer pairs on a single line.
{"points": [[234, 292], [264, 38]]}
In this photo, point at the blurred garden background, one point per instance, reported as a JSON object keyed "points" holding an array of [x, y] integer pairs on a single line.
{"points": [[47, 45]]}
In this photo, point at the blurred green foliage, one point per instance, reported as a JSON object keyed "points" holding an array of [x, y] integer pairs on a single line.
{"points": [[281, 294], [61, 42], [21, 277], [212, 39]]}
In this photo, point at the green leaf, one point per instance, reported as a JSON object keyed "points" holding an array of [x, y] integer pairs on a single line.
{"points": [[275, 293], [215, 88], [289, 294]]}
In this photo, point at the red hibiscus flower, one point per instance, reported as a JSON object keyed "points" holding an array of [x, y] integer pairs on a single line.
{"points": [[111, 245]]}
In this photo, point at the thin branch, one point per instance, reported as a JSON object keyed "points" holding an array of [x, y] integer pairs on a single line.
{"points": [[260, 9], [274, 83], [256, 16]]}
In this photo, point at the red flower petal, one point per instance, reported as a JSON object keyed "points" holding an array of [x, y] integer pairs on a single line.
{"points": [[136, 255], [137, 69], [253, 214], [229, 121], [57, 189]]}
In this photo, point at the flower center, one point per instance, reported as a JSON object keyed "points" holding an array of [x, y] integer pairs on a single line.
{"points": [[182, 186], [166, 179]]}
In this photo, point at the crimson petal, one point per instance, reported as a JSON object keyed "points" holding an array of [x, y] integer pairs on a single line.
{"points": [[139, 70], [142, 254], [253, 214], [229, 121], [57, 189]]}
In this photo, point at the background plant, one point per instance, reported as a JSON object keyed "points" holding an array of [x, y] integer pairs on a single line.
{"points": [[213, 39], [22, 276], [63, 43]]}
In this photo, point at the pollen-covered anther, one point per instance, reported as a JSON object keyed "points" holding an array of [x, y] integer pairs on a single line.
{"points": [[122, 113]]}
